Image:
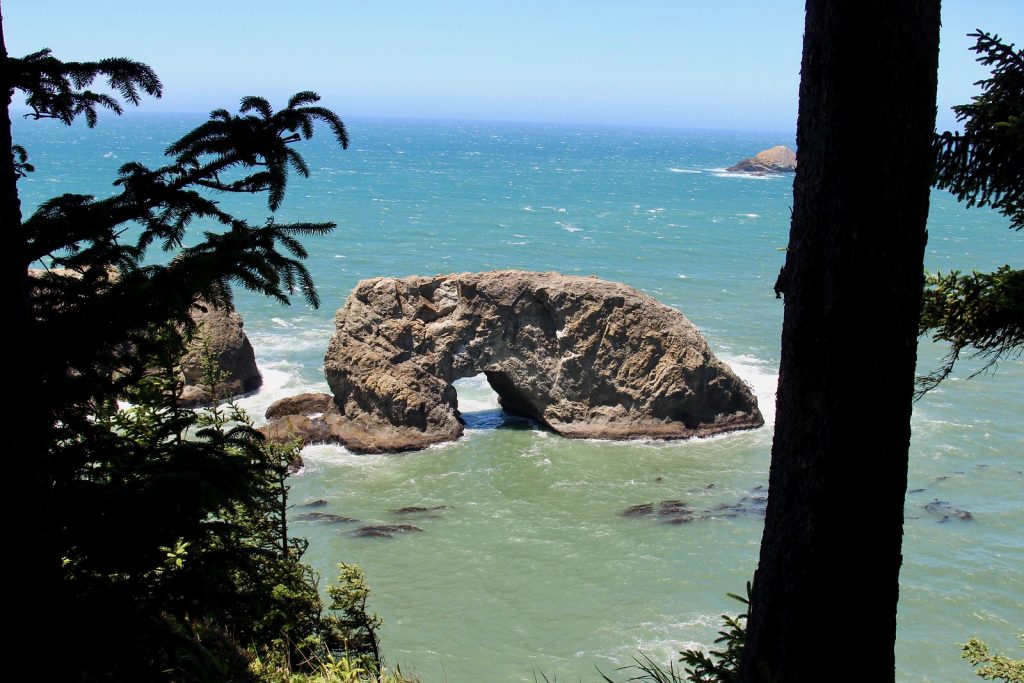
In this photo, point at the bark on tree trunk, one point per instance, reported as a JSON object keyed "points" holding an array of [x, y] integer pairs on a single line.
{"points": [[31, 567], [852, 284]]}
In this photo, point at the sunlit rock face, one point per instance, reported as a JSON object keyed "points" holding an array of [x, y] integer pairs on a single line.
{"points": [[778, 159], [584, 357], [220, 335]]}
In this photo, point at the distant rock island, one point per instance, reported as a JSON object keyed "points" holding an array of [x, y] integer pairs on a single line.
{"points": [[584, 357], [778, 159]]}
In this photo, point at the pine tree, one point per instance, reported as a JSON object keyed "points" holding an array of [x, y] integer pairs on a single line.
{"points": [[852, 283], [155, 538], [982, 166]]}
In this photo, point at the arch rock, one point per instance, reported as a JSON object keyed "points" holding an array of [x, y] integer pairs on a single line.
{"points": [[586, 358]]}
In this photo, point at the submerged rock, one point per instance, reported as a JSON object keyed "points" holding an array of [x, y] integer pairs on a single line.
{"points": [[420, 510], [584, 357], [638, 510], [778, 159], [679, 519], [944, 511], [327, 517], [682, 512], [384, 530], [670, 508]]}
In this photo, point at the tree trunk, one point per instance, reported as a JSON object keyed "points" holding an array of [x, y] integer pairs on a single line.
{"points": [[33, 568], [852, 284]]}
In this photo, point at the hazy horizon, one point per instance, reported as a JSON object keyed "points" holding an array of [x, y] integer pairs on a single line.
{"points": [[729, 66]]}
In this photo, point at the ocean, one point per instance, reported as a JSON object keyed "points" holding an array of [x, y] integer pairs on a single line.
{"points": [[529, 569]]}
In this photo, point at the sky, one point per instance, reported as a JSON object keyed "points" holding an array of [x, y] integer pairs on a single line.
{"points": [[713, 64]]}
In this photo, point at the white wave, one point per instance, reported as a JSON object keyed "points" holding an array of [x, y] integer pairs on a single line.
{"points": [[281, 323], [475, 394], [444, 445], [748, 215], [568, 227], [477, 405], [333, 455], [683, 277], [277, 343], [763, 378], [279, 381], [662, 643], [722, 173], [275, 379], [684, 170]]}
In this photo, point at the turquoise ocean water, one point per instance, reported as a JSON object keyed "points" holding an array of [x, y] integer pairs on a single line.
{"points": [[530, 567]]}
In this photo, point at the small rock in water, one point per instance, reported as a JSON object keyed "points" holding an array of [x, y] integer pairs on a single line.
{"points": [[944, 511], [676, 511], [325, 517], [384, 530], [314, 504], [417, 510], [638, 510], [667, 508], [371, 532], [679, 519], [778, 159]]}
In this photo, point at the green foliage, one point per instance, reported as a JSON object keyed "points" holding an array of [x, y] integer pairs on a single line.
{"points": [[158, 534], [993, 667], [716, 666], [982, 166], [352, 624], [646, 669], [983, 311], [338, 669], [722, 665], [56, 90]]}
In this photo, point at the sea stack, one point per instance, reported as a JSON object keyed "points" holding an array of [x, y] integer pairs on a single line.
{"points": [[586, 358], [220, 333], [778, 159]]}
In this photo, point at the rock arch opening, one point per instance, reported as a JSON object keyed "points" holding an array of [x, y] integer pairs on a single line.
{"points": [[480, 407]]}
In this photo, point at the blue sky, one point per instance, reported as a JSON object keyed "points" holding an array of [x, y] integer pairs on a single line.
{"points": [[726, 64]]}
